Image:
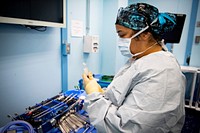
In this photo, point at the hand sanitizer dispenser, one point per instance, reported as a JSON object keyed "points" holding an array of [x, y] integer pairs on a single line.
{"points": [[91, 44]]}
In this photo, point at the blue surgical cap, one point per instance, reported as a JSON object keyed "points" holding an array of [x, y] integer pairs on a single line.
{"points": [[140, 15]]}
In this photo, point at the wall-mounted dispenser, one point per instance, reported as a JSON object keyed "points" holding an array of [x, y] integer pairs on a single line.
{"points": [[91, 44]]}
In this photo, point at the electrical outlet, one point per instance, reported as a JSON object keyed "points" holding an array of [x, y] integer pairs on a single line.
{"points": [[68, 48]]}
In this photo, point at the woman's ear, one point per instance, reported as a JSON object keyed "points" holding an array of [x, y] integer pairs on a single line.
{"points": [[145, 35]]}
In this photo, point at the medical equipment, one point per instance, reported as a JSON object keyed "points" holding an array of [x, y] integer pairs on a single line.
{"points": [[18, 125], [60, 114], [192, 94], [192, 99], [85, 69]]}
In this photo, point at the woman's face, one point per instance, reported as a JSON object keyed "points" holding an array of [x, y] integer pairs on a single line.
{"points": [[124, 32]]}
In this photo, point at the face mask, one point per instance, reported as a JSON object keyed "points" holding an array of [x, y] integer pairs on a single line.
{"points": [[124, 44]]}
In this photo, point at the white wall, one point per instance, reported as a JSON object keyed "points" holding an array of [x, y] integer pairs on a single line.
{"points": [[108, 48]]}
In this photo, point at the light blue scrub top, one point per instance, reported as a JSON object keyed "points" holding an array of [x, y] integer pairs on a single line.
{"points": [[145, 96]]}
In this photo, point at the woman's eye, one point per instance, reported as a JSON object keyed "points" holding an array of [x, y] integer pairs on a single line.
{"points": [[121, 35]]}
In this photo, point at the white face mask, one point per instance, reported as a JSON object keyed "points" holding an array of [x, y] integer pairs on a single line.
{"points": [[124, 47]]}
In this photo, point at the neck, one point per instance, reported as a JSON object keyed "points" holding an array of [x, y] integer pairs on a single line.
{"points": [[153, 48]]}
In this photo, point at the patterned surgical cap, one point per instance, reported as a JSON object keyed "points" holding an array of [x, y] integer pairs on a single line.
{"points": [[138, 16]]}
